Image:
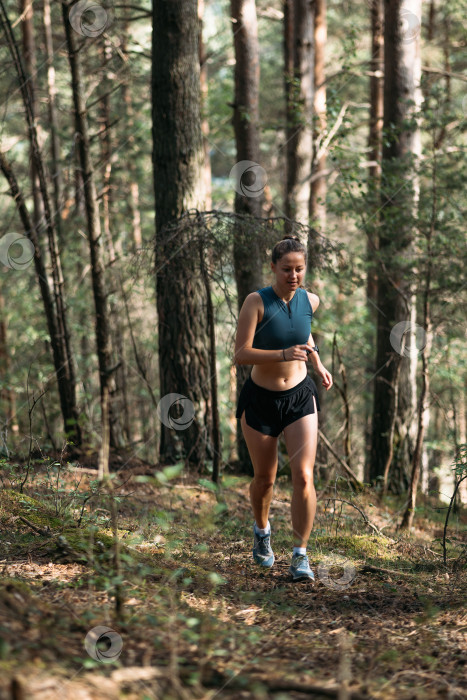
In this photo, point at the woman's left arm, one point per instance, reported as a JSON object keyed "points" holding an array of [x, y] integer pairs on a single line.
{"points": [[318, 366]]}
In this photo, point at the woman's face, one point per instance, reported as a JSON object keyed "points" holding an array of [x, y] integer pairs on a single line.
{"points": [[290, 270]]}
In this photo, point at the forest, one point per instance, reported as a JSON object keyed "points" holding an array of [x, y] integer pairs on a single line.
{"points": [[152, 155]]}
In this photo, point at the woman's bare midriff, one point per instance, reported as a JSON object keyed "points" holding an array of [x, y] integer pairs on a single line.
{"points": [[277, 376]]}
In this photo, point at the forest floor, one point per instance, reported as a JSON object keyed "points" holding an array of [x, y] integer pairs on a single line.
{"points": [[179, 610]]}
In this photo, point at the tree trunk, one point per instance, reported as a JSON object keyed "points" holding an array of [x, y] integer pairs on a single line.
{"points": [[375, 142], [216, 431], [39, 265], [29, 53], [55, 305], [319, 184], [53, 125], [423, 414], [399, 200], [116, 313], [299, 80], [103, 340], [8, 418], [318, 189], [406, 420], [249, 177], [178, 160], [133, 201], [203, 76]]}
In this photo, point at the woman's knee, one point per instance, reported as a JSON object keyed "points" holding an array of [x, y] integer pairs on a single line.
{"points": [[303, 479], [264, 482]]}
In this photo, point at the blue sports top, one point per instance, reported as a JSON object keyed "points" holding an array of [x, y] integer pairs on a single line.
{"points": [[283, 324]]}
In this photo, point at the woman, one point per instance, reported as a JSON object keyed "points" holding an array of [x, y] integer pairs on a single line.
{"points": [[274, 336]]}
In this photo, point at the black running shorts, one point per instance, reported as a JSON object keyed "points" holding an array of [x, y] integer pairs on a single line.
{"points": [[272, 411]]}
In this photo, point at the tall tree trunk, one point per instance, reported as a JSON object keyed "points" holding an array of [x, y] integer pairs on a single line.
{"points": [[116, 315], [399, 200], [406, 419], [375, 142], [128, 106], [55, 305], [318, 186], [178, 159], [29, 53], [249, 177], [204, 106], [39, 264], [299, 80], [54, 134], [110, 419], [423, 415]]}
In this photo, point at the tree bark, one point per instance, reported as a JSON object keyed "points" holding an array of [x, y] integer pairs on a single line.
{"points": [[375, 142], [423, 415], [133, 201], [56, 304], [299, 80], [249, 186], [319, 185], [203, 76], [375, 139], [399, 201], [116, 315], [54, 132], [318, 188], [178, 160], [248, 250], [216, 431], [102, 325]]}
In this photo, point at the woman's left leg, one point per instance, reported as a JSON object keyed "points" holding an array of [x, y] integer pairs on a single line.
{"points": [[300, 440]]}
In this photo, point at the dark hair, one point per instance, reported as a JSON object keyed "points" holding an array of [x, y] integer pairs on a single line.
{"points": [[289, 244]]}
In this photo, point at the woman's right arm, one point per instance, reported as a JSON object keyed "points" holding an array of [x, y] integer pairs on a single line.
{"points": [[245, 354]]}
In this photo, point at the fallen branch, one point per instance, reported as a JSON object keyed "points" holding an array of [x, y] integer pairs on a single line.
{"points": [[343, 464], [364, 516], [45, 532], [367, 569]]}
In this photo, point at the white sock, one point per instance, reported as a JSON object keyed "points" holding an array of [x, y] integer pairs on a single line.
{"points": [[263, 530], [299, 550]]}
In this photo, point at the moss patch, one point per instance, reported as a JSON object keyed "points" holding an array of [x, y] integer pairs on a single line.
{"points": [[16, 504], [357, 546]]}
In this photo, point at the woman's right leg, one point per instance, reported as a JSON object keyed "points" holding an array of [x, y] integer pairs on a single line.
{"points": [[263, 455]]}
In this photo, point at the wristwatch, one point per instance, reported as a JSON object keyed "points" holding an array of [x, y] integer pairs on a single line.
{"points": [[315, 348]]}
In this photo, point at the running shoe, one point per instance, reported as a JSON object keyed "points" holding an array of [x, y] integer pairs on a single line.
{"points": [[262, 552], [300, 568]]}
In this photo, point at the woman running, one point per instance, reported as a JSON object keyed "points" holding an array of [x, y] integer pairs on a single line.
{"points": [[273, 335]]}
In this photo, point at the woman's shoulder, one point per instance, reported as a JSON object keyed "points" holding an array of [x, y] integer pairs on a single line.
{"points": [[313, 299], [253, 307], [253, 300]]}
